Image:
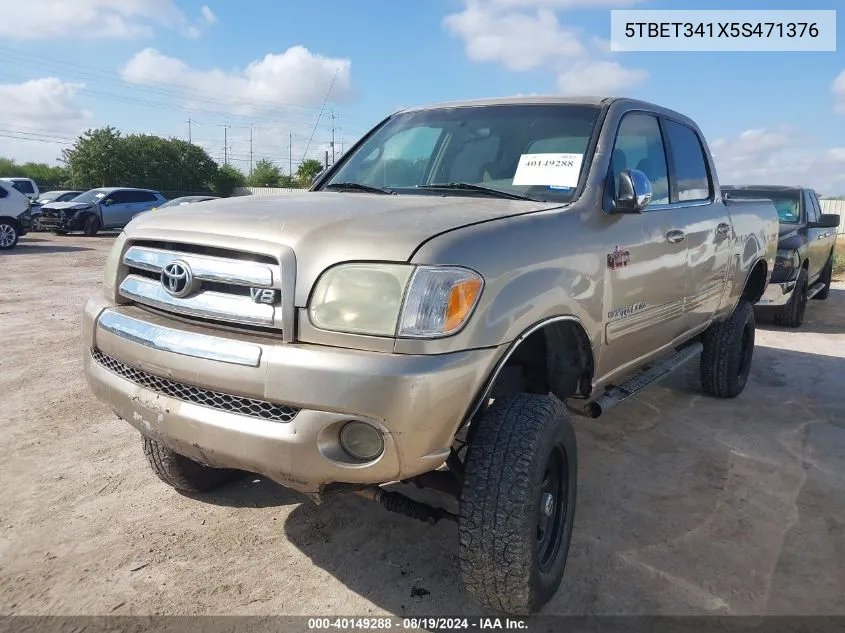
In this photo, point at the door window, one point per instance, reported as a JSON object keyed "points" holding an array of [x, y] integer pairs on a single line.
{"points": [[691, 181], [639, 145], [817, 210]]}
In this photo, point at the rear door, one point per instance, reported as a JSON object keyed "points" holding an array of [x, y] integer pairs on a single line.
{"points": [[827, 238], [704, 222], [145, 200], [645, 274]]}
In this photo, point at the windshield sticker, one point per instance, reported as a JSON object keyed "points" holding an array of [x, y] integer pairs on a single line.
{"points": [[548, 170]]}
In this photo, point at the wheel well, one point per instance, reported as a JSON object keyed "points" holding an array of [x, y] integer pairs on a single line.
{"points": [[755, 285], [556, 358]]}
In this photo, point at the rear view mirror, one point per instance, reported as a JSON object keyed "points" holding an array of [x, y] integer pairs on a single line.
{"points": [[827, 221], [635, 192]]}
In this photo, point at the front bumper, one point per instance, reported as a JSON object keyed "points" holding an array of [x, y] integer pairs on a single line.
{"points": [[59, 220], [777, 294], [416, 401]]}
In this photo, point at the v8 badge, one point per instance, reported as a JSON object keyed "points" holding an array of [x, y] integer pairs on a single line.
{"points": [[264, 295]]}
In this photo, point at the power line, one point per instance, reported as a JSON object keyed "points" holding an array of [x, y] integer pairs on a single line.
{"points": [[317, 122]]}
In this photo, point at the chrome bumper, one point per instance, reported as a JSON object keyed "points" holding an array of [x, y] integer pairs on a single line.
{"points": [[776, 294], [416, 401]]}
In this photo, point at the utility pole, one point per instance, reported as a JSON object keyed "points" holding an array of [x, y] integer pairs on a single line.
{"points": [[326, 164], [290, 154], [250, 149], [333, 118], [225, 144], [189, 129]]}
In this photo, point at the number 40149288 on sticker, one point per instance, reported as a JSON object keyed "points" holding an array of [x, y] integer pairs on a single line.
{"points": [[548, 170]]}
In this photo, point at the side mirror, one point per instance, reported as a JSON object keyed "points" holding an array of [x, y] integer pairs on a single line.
{"points": [[635, 192], [826, 221]]}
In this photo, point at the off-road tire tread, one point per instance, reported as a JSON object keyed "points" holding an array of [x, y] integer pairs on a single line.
{"points": [[719, 358], [183, 473], [496, 562]]}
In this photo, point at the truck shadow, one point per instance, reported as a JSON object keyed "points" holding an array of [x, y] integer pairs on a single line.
{"points": [[25, 248], [687, 504]]}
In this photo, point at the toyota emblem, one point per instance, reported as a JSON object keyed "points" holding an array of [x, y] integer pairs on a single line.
{"points": [[177, 278]]}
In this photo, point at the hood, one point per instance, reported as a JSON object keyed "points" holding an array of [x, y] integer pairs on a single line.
{"points": [[65, 206], [786, 231], [324, 228]]}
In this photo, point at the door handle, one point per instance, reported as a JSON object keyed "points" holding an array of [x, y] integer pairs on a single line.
{"points": [[723, 228], [822, 236], [674, 236]]}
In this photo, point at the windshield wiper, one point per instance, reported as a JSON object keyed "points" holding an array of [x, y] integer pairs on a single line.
{"points": [[467, 186], [357, 186]]}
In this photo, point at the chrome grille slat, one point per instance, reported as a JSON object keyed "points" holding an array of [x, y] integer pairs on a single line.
{"points": [[207, 305], [197, 395], [204, 267]]}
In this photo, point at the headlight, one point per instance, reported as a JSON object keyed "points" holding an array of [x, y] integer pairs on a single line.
{"points": [[113, 261], [395, 299], [787, 259]]}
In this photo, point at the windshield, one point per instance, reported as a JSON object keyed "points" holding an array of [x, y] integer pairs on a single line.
{"points": [[787, 203], [532, 150], [90, 196]]}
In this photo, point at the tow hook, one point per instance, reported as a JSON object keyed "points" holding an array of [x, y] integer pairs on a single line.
{"points": [[400, 504]]}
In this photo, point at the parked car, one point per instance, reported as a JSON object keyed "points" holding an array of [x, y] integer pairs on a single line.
{"points": [[106, 208], [14, 215], [26, 186], [804, 266], [61, 195], [177, 202], [424, 313]]}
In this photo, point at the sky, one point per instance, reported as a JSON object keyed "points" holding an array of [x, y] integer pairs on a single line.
{"points": [[291, 74]]}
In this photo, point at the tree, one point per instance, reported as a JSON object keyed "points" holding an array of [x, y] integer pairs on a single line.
{"points": [[46, 176], [227, 179], [265, 174], [97, 159], [288, 182], [307, 170]]}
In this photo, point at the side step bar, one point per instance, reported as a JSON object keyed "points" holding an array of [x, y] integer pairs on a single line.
{"points": [[815, 289], [656, 371]]}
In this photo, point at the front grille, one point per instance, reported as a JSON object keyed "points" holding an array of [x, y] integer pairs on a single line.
{"points": [[203, 397], [223, 283]]}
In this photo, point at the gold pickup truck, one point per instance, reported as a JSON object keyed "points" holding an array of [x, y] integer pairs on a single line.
{"points": [[431, 311]]}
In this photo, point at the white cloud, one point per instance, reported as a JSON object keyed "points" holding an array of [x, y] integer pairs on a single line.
{"points": [[601, 77], [96, 19], [295, 77], [208, 14], [527, 34], [838, 90], [520, 41], [40, 113], [780, 156]]}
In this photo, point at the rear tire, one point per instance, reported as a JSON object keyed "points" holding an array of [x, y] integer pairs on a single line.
{"points": [[518, 503], [792, 314], [92, 225], [182, 473], [9, 234], [826, 277], [728, 351]]}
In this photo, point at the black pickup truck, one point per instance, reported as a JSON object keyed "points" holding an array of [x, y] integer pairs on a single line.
{"points": [[804, 264]]}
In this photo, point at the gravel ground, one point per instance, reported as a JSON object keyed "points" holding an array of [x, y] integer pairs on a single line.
{"points": [[687, 504]]}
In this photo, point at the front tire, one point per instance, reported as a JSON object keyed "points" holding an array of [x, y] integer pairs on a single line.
{"points": [[92, 226], [728, 351], [792, 314], [518, 503], [182, 473], [9, 235]]}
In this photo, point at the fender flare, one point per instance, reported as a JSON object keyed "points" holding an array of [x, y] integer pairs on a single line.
{"points": [[484, 392]]}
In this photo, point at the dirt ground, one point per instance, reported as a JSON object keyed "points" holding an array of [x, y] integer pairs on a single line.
{"points": [[687, 504]]}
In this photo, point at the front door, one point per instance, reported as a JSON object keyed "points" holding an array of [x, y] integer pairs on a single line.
{"points": [[645, 273]]}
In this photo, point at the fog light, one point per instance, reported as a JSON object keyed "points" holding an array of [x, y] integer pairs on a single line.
{"points": [[361, 441]]}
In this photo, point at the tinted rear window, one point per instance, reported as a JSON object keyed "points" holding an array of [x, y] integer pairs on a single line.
{"points": [[24, 186]]}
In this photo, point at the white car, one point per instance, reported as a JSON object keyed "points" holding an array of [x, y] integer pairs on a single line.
{"points": [[14, 215], [26, 186]]}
